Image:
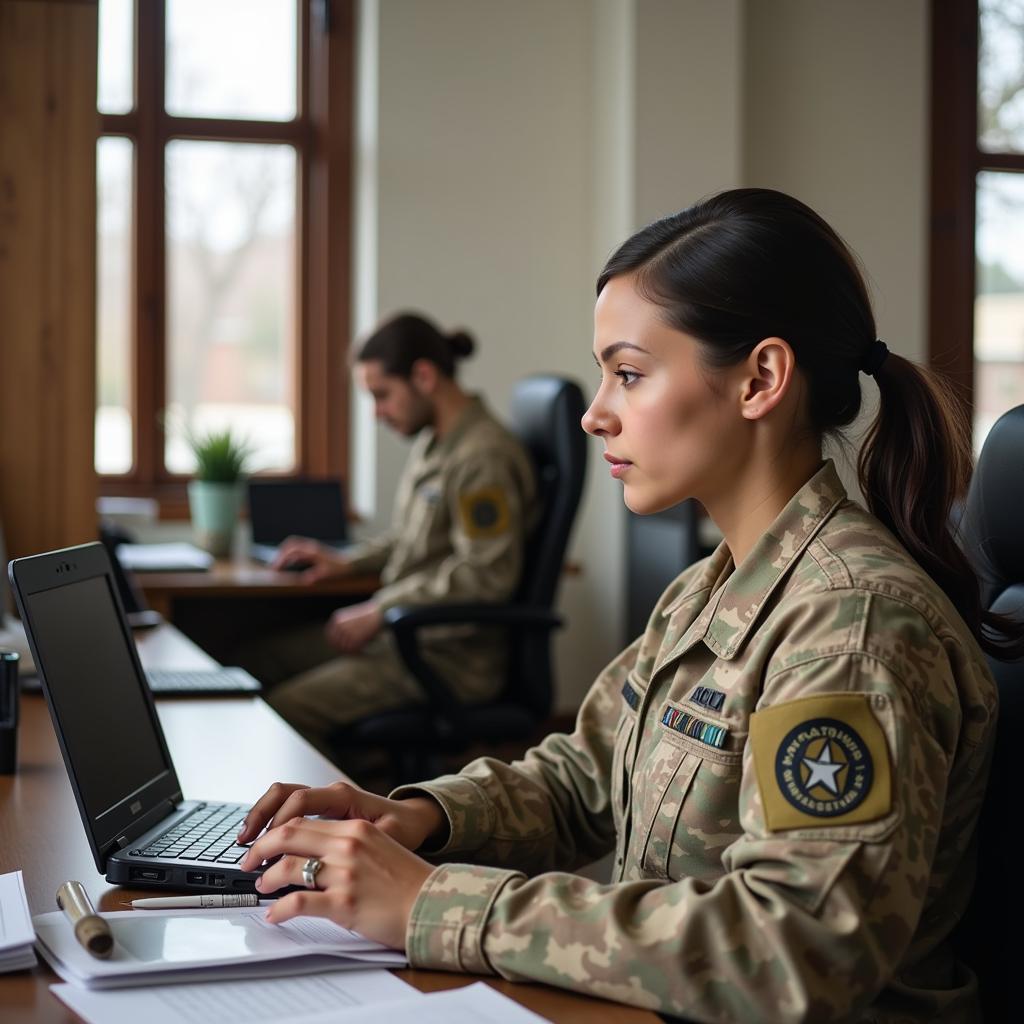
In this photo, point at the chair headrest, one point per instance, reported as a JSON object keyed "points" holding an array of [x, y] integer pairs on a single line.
{"points": [[993, 531]]}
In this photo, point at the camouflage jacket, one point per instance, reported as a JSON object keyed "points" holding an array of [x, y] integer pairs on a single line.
{"points": [[462, 512], [788, 766]]}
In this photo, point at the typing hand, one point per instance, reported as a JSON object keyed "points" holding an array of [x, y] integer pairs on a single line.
{"points": [[319, 561], [366, 880], [350, 629], [409, 822]]}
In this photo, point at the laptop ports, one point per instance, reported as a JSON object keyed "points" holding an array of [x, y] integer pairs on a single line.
{"points": [[217, 880], [195, 877], [147, 874]]}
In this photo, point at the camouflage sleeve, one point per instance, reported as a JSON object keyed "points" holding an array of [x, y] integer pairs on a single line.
{"points": [[487, 538], [809, 919], [371, 555], [549, 810]]}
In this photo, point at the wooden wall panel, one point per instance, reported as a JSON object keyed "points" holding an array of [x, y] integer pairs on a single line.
{"points": [[48, 129]]}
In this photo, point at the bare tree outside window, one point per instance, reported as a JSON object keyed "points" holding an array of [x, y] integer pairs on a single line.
{"points": [[224, 182], [999, 216]]}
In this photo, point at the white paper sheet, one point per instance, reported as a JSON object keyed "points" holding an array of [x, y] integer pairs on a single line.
{"points": [[172, 557], [162, 947], [325, 999], [16, 934], [237, 1002]]}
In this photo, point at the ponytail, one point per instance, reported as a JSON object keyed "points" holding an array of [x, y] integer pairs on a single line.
{"points": [[914, 466]]}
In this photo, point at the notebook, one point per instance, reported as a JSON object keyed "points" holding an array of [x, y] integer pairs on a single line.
{"points": [[301, 508], [121, 772]]}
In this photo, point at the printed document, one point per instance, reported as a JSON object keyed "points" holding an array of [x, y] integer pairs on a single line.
{"points": [[238, 1002], [325, 999], [16, 934], [158, 947]]}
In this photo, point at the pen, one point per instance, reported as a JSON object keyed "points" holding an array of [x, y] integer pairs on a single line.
{"points": [[90, 929], [242, 899]]}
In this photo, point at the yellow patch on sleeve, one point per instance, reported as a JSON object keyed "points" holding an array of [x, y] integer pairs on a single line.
{"points": [[821, 762], [484, 513]]}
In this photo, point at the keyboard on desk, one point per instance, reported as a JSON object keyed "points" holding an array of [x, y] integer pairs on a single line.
{"points": [[208, 834], [210, 682]]}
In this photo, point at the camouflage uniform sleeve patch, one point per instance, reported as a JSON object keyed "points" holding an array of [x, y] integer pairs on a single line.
{"points": [[484, 513], [821, 761]]}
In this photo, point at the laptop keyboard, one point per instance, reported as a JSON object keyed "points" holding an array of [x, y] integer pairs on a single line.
{"points": [[208, 834], [218, 680]]}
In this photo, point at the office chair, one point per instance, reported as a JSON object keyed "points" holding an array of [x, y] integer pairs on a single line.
{"points": [[994, 541], [546, 412]]}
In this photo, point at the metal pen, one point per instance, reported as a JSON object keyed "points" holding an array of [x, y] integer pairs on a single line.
{"points": [[90, 929]]}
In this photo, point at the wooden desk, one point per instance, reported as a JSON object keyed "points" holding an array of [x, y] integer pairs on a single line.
{"points": [[247, 747], [224, 609], [241, 578]]}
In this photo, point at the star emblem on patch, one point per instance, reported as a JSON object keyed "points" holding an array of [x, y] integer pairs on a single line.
{"points": [[823, 768]]}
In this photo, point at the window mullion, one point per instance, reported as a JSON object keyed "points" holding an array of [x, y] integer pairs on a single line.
{"points": [[150, 305]]}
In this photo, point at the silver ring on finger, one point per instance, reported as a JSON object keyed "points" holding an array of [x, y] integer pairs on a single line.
{"points": [[310, 869]]}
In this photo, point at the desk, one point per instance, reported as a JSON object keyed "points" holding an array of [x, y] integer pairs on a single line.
{"points": [[41, 833], [223, 609], [241, 578]]}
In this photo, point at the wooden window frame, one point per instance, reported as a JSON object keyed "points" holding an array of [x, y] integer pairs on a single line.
{"points": [[956, 160], [321, 133]]}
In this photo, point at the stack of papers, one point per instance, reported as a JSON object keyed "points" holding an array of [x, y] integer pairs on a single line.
{"points": [[232, 967], [16, 935], [160, 947], [359, 997], [163, 558]]}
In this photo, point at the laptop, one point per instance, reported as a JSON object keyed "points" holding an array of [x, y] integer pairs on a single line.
{"points": [[141, 830], [221, 681], [12, 633], [302, 508]]}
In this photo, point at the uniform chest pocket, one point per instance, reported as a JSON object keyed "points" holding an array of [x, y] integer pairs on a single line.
{"points": [[690, 807], [632, 695], [427, 517]]}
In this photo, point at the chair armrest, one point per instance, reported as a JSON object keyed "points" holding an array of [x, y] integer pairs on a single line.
{"points": [[523, 615], [406, 621]]}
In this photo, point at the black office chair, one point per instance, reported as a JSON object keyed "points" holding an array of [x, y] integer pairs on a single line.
{"points": [[546, 412], [993, 538]]}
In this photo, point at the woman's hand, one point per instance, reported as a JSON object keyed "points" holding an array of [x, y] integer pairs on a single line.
{"points": [[367, 880], [409, 822]]}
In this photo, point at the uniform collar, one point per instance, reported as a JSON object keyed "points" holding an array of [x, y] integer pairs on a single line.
{"points": [[472, 414], [734, 606]]}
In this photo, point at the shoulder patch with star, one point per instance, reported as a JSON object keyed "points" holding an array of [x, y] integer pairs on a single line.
{"points": [[821, 761]]}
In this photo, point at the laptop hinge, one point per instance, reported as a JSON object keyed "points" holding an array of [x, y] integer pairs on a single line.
{"points": [[121, 842]]}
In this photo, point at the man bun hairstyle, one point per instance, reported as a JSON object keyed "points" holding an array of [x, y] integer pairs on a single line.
{"points": [[399, 342], [749, 264]]}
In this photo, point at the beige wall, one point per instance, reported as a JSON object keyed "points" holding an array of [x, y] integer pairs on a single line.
{"points": [[505, 148]]}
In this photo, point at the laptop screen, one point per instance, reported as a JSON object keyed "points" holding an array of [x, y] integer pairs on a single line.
{"points": [[305, 508], [104, 716]]}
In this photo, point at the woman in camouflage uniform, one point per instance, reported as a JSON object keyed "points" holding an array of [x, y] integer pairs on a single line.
{"points": [[789, 764]]}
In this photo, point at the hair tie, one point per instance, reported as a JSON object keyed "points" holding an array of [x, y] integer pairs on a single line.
{"points": [[874, 357]]}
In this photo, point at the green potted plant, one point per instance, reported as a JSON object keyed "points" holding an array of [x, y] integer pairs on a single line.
{"points": [[215, 494]]}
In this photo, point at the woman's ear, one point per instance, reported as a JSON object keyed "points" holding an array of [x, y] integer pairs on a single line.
{"points": [[769, 375]]}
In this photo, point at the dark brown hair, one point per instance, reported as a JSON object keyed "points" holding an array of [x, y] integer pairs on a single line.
{"points": [[403, 339], [750, 264]]}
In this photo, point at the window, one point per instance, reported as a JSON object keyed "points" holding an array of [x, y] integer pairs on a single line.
{"points": [[222, 236], [977, 273]]}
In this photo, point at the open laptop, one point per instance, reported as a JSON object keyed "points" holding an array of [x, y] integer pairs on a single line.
{"points": [[12, 632], [302, 508], [140, 828]]}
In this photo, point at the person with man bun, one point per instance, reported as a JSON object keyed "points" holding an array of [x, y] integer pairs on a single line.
{"points": [[464, 504]]}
